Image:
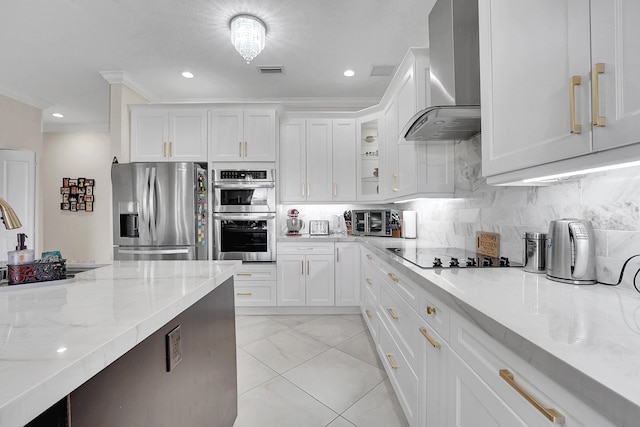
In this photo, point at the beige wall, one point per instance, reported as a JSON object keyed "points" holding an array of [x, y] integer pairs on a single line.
{"points": [[121, 97], [80, 236], [21, 128]]}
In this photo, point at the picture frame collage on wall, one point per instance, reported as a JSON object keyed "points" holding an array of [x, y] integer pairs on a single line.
{"points": [[77, 194]]}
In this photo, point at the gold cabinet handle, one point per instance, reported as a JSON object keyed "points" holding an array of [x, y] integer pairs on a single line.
{"points": [[244, 274], [308, 190], [240, 149], [308, 269], [395, 182], [170, 149], [335, 190], [433, 342], [337, 254], [302, 266], [597, 69], [246, 150], [393, 315], [369, 281], [369, 256], [391, 362], [368, 314], [244, 294], [573, 126], [431, 310], [303, 188], [551, 414], [392, 277], [164, 149]]}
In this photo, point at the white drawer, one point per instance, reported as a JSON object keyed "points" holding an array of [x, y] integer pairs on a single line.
{"points": [[370, 314], [256, 271], [401, 320], [408, 290], [311, 247], [255, 293], [435, 313], [493, 363], [403, 378]]}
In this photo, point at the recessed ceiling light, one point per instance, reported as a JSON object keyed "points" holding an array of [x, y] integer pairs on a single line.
{"points": [[187, 74], [58, 115], [349, 73]]}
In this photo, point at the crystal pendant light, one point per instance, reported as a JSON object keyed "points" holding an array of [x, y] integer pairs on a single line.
{"points": [[248, 36]]}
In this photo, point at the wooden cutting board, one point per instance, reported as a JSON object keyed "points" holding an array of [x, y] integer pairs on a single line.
{"points": [[488, 244]]}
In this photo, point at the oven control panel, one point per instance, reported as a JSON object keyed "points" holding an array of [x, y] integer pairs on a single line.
{"points": [[236, 174]]}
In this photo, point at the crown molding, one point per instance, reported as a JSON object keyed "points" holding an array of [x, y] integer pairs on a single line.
{"points": [[121, 77], [26, 99]]}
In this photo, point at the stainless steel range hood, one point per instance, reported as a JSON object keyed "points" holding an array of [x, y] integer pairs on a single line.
{"points": [[454, 76]]}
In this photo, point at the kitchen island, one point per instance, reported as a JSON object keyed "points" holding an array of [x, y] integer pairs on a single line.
{"points": [[56, 337]]}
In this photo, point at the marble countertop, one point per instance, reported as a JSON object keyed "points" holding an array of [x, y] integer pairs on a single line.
{"points": [[586, 338], [54, 338]]}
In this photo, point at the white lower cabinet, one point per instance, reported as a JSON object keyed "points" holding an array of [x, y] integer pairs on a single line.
{"points": [[347, 274], [446, 371], [255, 285], [305, 274]]}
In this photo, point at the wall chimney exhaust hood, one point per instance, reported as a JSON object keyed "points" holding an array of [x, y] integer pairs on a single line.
{"points": [[454, 76]]}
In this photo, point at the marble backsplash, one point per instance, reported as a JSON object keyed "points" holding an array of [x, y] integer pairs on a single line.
{"points": [[610, 200]]}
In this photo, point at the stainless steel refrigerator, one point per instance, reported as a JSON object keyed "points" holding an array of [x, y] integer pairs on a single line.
{"points": [[159, 211]]}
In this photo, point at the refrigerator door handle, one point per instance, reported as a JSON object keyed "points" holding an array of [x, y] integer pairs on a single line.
{"points": [[153, 251], [145, 200], [152, 205]]}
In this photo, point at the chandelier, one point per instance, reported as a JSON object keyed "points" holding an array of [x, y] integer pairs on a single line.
{"points": [[248, 36]]}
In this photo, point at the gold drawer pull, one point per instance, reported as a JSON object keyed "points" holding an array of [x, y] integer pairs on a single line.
{"points": [[244, 274], [391, 362], [598, 120], [551, 414], [244, 294], [431, 310], [393, 315], [392, 277], [433, 342], [369, 281], [369, 256], [368, 314]]}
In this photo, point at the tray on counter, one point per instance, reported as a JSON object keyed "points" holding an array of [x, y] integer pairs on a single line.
{"points": [[32, 272]]}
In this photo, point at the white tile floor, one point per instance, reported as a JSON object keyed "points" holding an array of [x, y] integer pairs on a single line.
{"points": [[307, 371]]}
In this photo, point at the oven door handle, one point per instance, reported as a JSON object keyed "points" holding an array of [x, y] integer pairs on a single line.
{"points": [[246, 217], [243, 186]]}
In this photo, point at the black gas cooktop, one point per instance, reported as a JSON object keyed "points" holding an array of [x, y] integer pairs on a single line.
{"points": [[450, 258]]}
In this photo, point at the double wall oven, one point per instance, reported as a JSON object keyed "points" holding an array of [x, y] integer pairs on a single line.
{"points": [[244, 214]]}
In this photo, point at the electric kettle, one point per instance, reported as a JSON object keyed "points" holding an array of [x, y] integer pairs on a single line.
{"points": [[571, 252]]}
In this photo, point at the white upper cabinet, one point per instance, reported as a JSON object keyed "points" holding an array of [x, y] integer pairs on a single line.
{"points": [[168, 135], [344, 160], [615, 43], [317, 160], [546, 69], [243, 135]]}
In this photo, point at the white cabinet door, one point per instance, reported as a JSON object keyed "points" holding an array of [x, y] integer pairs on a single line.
{"points": [[344, 160], [529, 53], [227, 136], [368, 135], [243, 135], [291, 280], [164, 135], [319, 157], [149, 134], [188, 136], [18, 188], [472, 403], [614, 43], [319, 290], [389, 175], [293, 161], [347, 278], [260, 135]]}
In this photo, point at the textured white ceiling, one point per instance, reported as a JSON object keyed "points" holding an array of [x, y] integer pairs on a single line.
{"points": [[52, 52]]}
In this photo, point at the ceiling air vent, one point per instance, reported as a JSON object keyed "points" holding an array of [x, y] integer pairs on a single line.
{"points": [[270, 69], [382, 70]]}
